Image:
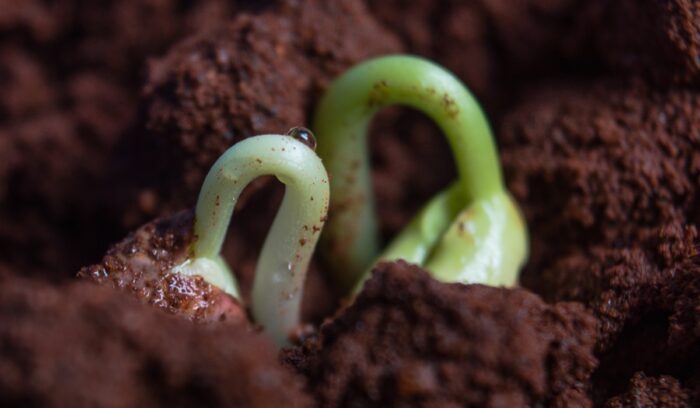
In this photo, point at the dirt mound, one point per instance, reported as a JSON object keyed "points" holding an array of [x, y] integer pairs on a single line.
{"points": [[408, 339], [95, 346]]}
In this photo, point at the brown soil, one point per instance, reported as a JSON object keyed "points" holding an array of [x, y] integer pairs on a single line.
{"points": [[51, 163], [142, 265], [658, 392], [606, 175], [408, 340], [70, 73], [655, 39], [86, 345]]}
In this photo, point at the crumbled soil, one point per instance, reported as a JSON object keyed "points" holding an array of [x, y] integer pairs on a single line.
{"points": [[659, 338], [93, 346], [660, 392], [408, 340], [51, 167], [606, 174], [70, 71]]}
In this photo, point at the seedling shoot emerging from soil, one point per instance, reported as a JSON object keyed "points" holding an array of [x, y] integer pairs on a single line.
{"points": [[471, 232], [285, 255]]}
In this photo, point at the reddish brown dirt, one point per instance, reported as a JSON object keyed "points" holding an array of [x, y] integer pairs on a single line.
{"points": [[94, 346], [659, 338], [410, 340], [142, 265], [651, 392], [655, 39], [606, 174], [70, 72]]}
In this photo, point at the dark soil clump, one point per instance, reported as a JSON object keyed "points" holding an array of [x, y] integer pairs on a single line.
{"points": [[70, 72], [661, 392], [607, 179], [408, 339], [661, 339], [94, 346]]}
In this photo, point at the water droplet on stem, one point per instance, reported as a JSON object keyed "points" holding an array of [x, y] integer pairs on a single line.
{"points": [[303, 135]]}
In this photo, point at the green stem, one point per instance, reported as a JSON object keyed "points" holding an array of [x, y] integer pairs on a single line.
{"points": [[284, 259], [341, 124]]}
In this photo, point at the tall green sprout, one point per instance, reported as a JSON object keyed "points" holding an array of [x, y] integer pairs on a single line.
{"points": [[472, 232], [285, 256]]}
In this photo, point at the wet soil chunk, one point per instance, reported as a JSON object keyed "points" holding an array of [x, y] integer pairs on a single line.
{"points": [[142, 265], [410, 340]]}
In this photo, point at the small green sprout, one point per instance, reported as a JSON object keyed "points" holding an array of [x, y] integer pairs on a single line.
{"points": [[472, 232], [285, 255]]}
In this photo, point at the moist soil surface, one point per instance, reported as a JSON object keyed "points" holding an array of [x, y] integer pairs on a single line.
{"points": [[112, 112]]}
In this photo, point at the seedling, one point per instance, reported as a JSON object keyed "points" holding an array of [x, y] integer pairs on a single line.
{"points": [[285, 255], [471, 232]]}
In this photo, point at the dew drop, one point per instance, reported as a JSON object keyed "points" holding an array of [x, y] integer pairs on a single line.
{"points": [[303, 135]]}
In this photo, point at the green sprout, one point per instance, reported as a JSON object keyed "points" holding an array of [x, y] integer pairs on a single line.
{"points": [[285, 255], [471, 232]]}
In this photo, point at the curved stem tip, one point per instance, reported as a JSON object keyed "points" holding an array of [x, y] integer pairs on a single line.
{"points": [[284, 259], [341, 124]]}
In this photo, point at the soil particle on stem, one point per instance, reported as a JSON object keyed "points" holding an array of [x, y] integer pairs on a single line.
{"points": [[410, 340]]}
